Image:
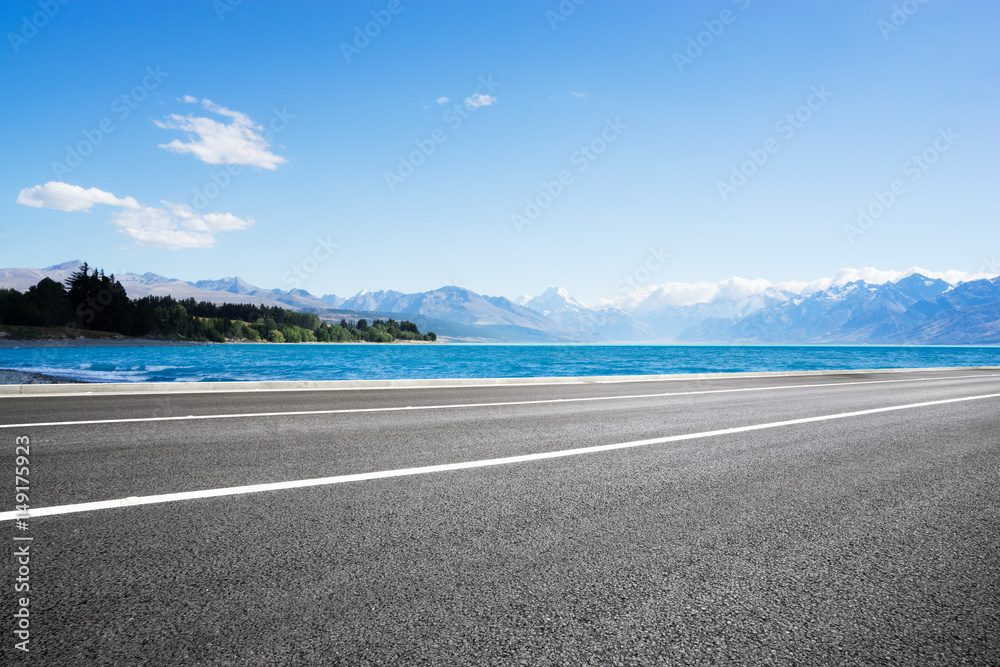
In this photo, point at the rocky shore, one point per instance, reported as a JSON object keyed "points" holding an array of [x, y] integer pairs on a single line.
{"points": [[8, 376]]}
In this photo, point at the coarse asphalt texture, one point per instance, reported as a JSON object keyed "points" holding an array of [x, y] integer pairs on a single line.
{"points": [[867, 539]]}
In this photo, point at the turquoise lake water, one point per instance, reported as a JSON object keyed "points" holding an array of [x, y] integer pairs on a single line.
{"points": [[216, 363]]}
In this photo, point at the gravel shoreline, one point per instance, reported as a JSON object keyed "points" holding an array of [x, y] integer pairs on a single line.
{"points": [[10, 376]]}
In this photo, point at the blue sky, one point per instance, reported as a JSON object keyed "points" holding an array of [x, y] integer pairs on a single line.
{"points": [[749, 154]]}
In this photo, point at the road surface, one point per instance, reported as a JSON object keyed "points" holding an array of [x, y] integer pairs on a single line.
{"points": [[848, 518]]}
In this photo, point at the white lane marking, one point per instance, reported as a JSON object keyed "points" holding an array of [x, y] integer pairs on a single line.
{"points": [[424, 470], [210, 391], [487, 383], [451, 406]]}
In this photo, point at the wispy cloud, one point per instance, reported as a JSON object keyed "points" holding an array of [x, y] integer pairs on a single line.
{"points": [[581, 96], [66, 197], [687, 294], [479, 100], [443, 100], [238, 141], [173, 227], [176, 226]]}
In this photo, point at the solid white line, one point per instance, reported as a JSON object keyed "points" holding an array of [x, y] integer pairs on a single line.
{"points": [[269, 386], [403, 408], [424, 470]]}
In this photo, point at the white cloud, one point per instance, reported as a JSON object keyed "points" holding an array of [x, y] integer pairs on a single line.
{"points": [[239, 141], [582, 96], [688, 294], [176, 226], [66, 197], [479, 100], [443, 100]]}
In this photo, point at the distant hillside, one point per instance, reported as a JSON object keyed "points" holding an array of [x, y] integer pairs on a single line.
{"points": [[458, 313], [451, 312], [22, 279], [151, 284], [95, 302]]}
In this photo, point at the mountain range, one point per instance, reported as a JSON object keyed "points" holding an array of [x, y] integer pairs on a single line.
{"points": [[915, 309]]}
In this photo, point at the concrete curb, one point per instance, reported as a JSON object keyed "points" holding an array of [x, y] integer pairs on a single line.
{"points": [[340, 385]]}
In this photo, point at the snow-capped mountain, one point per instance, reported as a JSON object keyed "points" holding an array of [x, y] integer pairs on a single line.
{"points": [[332, 300], [235, 285], [916, 309], [365, 300], [591, 324], [554, 301]]}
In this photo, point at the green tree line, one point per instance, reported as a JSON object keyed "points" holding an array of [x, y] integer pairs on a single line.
{"points": [[92, 301]]}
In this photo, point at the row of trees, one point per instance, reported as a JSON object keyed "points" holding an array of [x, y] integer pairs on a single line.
{"points": [[93, 301]]}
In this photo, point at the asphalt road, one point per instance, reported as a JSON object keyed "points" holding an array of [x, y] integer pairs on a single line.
{"points": [[862, 539]]}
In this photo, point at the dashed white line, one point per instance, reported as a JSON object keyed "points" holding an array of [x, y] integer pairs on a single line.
{"points": [[466, 465]]}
